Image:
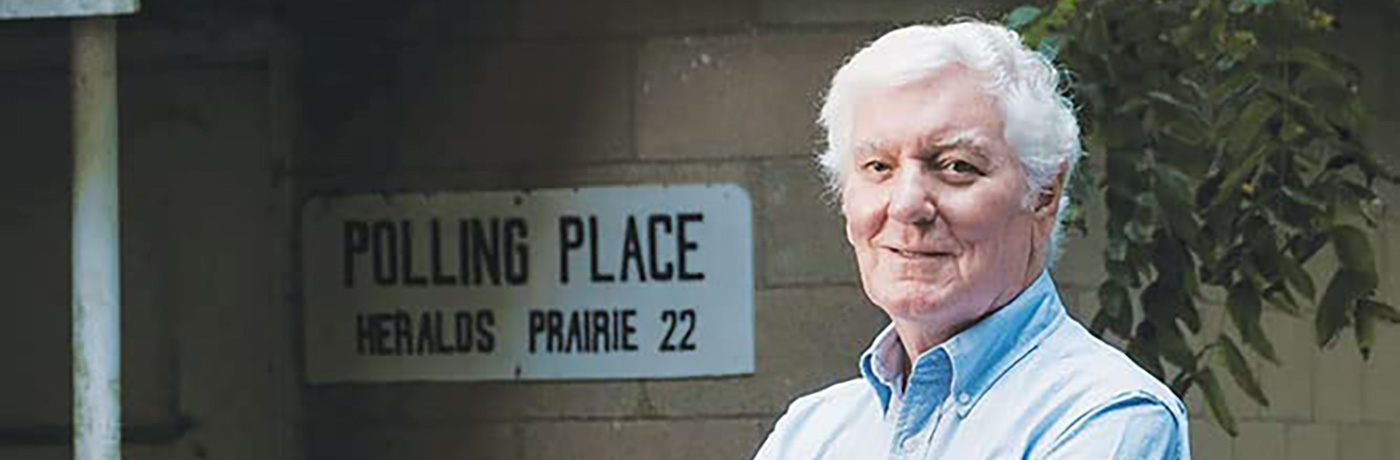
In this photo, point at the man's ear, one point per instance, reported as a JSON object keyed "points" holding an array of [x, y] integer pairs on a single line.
{"points": [[1047, 203]]}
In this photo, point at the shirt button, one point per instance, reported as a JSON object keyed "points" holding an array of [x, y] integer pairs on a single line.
{"points": [[963, 398]]}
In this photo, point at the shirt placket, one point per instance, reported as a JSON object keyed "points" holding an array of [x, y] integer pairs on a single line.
{"points": [[920, 411]]}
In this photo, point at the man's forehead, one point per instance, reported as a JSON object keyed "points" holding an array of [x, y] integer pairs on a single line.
{"points": [[943, 139]]}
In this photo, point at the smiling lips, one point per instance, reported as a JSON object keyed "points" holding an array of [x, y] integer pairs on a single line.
{"points": [[918, 253]]}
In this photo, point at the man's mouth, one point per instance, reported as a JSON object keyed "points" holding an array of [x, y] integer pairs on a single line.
{"points": [[918, 254]]}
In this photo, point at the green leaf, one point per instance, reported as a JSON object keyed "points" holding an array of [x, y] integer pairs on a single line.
{"points": [[1382, 311], [1297, 277], [1365, 329], [1215, 399], [1174, 102], [1283, 300], [1114, 301], [1143, 349], [1251, 123], [1237, 176], [1263, 245], [1312, 59], [1099, 323], [1174, 194], [1244, 304], [1050, 45], [1239, 369], [1241, 82], [1312, 78], [1353, 250], [1182, 383], [1062, 14], [1021, 16], [1246, 310], [1346, 287], [1173, 347]]}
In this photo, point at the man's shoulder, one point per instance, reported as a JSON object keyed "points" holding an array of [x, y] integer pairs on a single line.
{"points": [[1090, 370], [845, 395], [813, 422], [1072, 382]]}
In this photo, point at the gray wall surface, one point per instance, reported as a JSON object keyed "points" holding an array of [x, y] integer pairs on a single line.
{"points": [[234, 113]]}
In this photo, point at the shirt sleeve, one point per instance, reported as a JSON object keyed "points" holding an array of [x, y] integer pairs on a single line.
{"points": [[778, 446], [1134, 426]]}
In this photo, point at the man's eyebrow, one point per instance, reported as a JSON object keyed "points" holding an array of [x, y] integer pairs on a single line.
{"points": [[868, 148], [964, 138], [972, 140]]}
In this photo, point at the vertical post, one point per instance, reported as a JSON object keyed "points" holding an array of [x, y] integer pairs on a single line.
{"points": [[96, 242]]}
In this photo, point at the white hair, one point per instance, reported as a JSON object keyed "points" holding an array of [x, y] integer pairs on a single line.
{"points": [[1040, 125]]}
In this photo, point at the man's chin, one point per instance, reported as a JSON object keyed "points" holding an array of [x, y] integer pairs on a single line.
{"points": [[909, 299]]}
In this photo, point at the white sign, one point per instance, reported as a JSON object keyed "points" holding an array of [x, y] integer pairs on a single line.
{"points": [[615, 282]]}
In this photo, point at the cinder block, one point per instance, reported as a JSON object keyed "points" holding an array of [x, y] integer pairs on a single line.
{"points": [[1288, 384], [1361, 27], [209, 145], [807, 339], [465, 107], [670, 439], [574, 18], [28, 46], [1337, 383], [472, 402], [492, 441], [1395, 445], [1365, 442], [1388, 72], [35, 203], [190, 35], [540, 176], [1076, 303], [1381, 377], [1258, 441], [234, 32], [735, 96], [880, 11], [1312, 441], [804, 237], [359, 140], [446, 21], [62, 452], [1081, 256], [1208, 441]]}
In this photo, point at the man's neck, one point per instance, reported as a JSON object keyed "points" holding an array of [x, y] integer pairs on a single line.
{"points": [[920, 336]]}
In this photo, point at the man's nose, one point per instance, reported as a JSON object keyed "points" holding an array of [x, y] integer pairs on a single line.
{"points": [[914, 201]]}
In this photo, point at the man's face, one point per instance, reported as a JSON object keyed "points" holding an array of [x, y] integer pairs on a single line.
{"points": [[933, 202]]}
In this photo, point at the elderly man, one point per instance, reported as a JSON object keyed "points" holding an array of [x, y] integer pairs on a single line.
{"points": [[949, 147]]}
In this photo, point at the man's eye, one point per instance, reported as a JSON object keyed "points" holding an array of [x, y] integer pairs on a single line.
{"points": [[877, 166], [963, 167]]}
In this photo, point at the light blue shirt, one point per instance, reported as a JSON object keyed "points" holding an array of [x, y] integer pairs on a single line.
{"points": [[1026, 382]]}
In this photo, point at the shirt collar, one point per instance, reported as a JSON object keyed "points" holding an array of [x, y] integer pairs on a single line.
{"points": [[980, 354], [881, 367]]}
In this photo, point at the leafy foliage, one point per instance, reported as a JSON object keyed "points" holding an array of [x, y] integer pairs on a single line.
{"points": [[1233, 155]]}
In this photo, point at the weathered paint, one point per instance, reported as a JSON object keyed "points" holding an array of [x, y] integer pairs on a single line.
{"points": [[23, 9], [96, 243]]}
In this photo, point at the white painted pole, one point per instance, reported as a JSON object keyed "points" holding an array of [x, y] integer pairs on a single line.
{"points": [[96, 242]]}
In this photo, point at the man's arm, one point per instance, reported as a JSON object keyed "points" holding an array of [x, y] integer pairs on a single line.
{"points": [[1131, 426]]}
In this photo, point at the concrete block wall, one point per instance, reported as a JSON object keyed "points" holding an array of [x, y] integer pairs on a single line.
{"points": [[559, 94], [238, 111], [570, 93], [209, 368]]}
